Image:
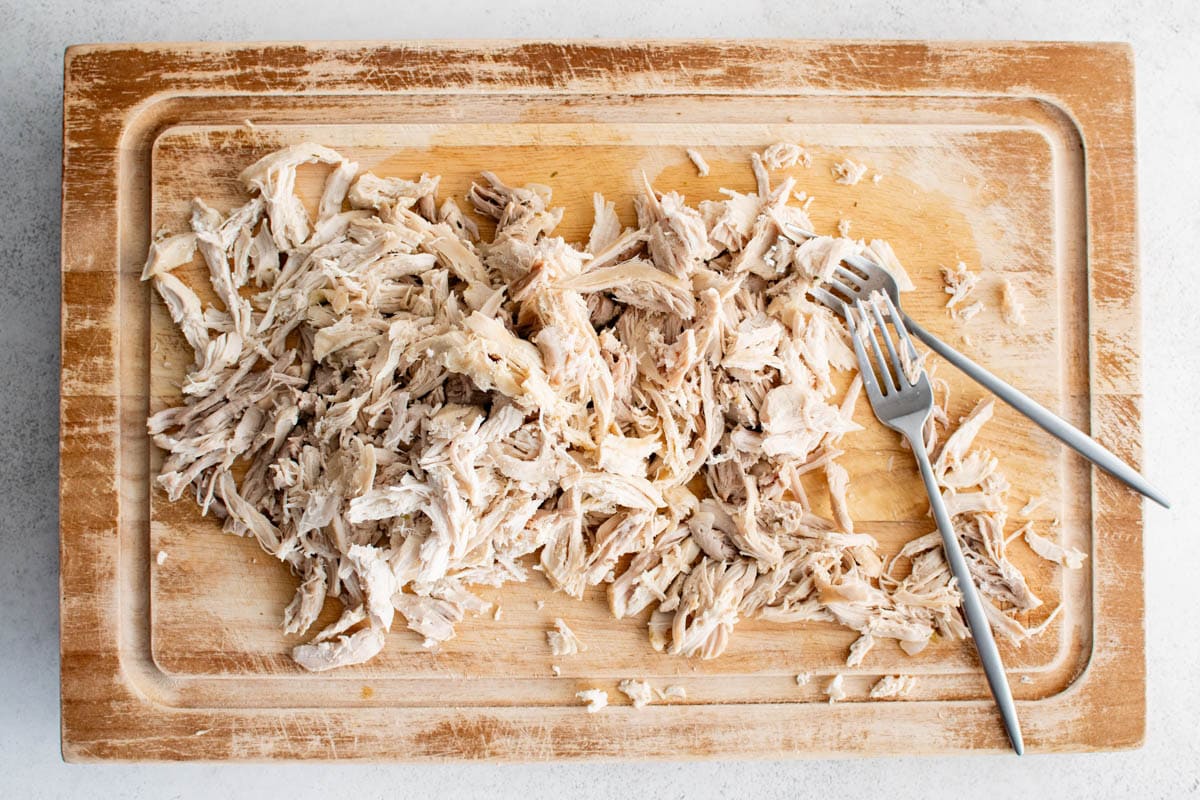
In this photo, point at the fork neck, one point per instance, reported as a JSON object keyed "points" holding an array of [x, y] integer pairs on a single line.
{"points": [[912, 428]]}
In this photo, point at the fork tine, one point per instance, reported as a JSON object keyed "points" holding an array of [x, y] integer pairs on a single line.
{"points": [[847, 276], [870, 382], [898, 321], [825, 298], [889, 387], [901, 377]]}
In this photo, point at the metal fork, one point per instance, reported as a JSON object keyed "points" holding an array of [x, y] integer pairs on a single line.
{"points": [[903, 402], [869, 277]]}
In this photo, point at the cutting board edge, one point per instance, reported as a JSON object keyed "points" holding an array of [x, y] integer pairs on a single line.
{"points": [[82, 525]]}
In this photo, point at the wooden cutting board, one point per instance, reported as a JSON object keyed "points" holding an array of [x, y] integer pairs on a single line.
{"points": [[1014, 158]]}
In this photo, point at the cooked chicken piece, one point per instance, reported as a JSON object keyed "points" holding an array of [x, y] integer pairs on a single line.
{"points": [[596, 699], [638, 692], [1033, 505], [698, 160], [639, 283], [1069, 557], [169, 253], [835, 690], [413, 412], [893, 686], [673, 693], [858, 651], [342, 651], [1012, 308], [782, 155], [968, 313], [959, 283], [803, 678], [562, 640], [848, 172]]}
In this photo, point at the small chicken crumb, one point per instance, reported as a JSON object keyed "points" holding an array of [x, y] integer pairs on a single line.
{"points": [[596, 699], [161, 558], [858, 651], [970, 311], [429, 643], [893, 686], [848, 172], [1012, 308], [499, 612], [782, 155], [249, 123], [843, 228], [803, 678], [562, 640], [698, 160], [835, 689], [540, 604], [876, 178], [639, 692], [1033, 505], [1069, 557], [673, 693], [959, 283], [556, 669]]}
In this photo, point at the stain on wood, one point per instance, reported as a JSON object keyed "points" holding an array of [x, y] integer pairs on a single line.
{"points": [[1016, 158]]}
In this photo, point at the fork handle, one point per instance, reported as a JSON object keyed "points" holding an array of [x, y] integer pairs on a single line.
{"points": [[981, 629], [1069, 435]]}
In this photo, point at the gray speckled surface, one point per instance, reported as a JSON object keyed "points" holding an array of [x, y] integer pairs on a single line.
{"points": [[34, 36]]}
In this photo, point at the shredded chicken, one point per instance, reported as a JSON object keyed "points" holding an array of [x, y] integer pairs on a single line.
{"points": [[803, 678], [400, 410], [698, 160], [562, 640], [1069, 557], [596, 699], [849, 172], [639, 692], [673, 693], [843, 228], [1011, 307], [782, 155], [1033, 505], [960, 282], [892, 686], [836, 690]]}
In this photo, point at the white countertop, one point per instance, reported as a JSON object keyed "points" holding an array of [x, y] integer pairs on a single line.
{"points": [[34, 35]]}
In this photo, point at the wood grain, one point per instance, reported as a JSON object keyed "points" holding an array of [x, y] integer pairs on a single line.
{"points": [[1007, 156]]}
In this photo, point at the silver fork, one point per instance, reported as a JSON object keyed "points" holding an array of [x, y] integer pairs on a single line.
{"points": [[903, 399], [869, 277]]}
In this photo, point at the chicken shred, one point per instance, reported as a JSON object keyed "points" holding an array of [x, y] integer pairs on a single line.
{"points": [[959, 284], [849, 172], [783, 155], [562, 640], [836, 689], [413, 411], [639, 693], [893, 686], [596, 699], [698, 160], [1010, 306]]}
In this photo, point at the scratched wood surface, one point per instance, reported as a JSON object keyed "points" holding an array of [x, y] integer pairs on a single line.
{"points": [[186, 660]]}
